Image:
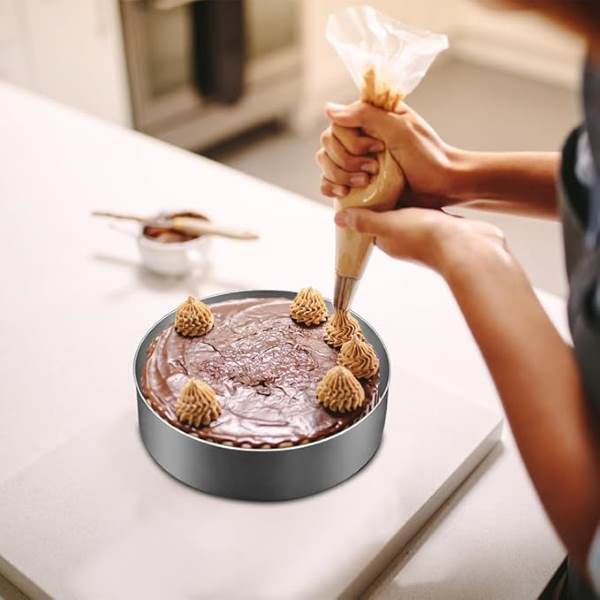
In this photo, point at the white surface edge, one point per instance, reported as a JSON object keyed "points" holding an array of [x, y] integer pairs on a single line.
{"points": [[391, 550]]}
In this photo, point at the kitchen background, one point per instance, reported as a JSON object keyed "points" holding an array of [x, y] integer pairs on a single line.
{"points": [[249, 89]]}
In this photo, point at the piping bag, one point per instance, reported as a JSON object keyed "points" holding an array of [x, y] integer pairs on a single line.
{"points": [[387, 60]]}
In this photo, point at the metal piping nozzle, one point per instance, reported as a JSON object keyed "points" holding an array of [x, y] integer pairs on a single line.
{"points": [[343, 291]]}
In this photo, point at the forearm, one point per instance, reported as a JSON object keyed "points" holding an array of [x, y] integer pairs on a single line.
{"points": [[516, 182], [538, 381]]}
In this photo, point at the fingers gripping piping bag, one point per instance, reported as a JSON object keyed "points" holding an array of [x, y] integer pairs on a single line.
{"points": [[386, 60]]}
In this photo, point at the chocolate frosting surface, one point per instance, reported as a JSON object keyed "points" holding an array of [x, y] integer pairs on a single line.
{"points": [[264, 368]]}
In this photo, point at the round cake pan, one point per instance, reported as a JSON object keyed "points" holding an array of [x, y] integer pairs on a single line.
{"points": [[261, 474]]}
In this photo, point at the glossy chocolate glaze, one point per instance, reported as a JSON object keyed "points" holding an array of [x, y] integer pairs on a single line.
{"points": [[264, 369]]}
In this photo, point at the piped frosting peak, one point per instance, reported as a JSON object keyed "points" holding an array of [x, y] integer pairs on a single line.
{"points": [[308, 307], [340, 391], [359, 357], [197, 404], [193, 318], [341, 328]]}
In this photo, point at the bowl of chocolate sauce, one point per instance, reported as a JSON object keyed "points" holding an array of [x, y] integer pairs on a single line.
{"points": [[168, 251]]}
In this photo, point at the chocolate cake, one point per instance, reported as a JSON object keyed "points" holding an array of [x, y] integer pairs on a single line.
{"points": [[264, 368]]}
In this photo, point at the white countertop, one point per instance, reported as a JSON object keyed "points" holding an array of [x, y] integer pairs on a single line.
{"points": [[491, 540]]}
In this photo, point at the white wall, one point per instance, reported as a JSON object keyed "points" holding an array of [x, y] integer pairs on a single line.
{"points": [[520, 42], [70, 50]]}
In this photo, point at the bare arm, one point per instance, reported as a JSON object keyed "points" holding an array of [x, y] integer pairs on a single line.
{"points": [[534, 370], [437, 174], [539, 383], [522, 183]]}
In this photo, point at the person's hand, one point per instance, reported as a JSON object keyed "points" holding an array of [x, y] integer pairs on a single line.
{"points": [[358, 130], [430, 237]]}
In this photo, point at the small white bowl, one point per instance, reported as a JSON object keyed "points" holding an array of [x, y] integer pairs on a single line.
{"points": [[173, 258]]}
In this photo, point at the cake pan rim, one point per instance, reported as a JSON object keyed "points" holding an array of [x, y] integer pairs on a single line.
{"points": [[248, 294]]}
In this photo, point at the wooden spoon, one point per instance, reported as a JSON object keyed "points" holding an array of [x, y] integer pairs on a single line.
{"points": [[189, 225]]}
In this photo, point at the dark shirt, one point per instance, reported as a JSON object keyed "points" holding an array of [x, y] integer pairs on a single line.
{"points": [[580, 209]]}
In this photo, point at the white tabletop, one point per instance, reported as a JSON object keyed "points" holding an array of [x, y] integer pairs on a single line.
{"points": [[492, 540]]}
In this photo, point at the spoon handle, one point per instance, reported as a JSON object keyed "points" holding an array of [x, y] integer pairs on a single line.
{"points": [[199, 227], [99, 213]]}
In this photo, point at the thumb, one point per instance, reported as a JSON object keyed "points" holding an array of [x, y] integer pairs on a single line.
{"points": [[363, 220], [373, 121]]}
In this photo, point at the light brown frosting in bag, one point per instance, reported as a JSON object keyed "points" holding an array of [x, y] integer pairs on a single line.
{"points": [[340, 391], [193, 318], [308, 307], [381, 193], [359, 357], [378, 93], [197, 404], [341, 328]]}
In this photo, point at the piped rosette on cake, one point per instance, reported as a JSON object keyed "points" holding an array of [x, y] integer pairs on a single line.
{"points": [[261, 372]]}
